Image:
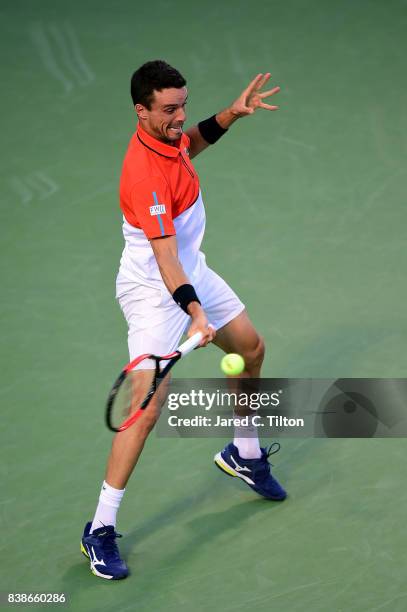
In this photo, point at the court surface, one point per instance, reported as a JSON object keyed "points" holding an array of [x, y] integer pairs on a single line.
{"points": [[306, 221]]}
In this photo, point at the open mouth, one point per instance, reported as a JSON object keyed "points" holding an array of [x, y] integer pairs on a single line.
{"points": [[176, 129]]}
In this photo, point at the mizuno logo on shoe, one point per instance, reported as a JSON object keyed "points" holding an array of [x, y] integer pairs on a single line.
{"points": [[95, 560], [238, 467]]}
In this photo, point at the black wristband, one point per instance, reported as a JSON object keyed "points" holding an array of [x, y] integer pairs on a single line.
{"points": [[211, 130], [184, 295]]}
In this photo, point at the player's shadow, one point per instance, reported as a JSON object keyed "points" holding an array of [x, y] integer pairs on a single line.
{"points": [[203, 534], [214, 523], [203, 529], [208, 525], [190, 504]]}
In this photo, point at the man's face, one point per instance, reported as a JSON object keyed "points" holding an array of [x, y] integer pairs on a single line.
{"points": [[166, 117]]}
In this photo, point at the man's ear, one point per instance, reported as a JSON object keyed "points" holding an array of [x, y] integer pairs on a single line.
{"points": [[141, 111]]}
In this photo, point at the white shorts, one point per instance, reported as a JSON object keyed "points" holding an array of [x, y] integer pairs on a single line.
{"points": [[156, 323]]}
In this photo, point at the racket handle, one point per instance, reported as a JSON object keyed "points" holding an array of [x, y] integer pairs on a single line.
{"points": [[190, 344]]}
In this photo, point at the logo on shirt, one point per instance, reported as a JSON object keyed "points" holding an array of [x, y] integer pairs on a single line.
{"points": [[186, 150], [157, 209]]}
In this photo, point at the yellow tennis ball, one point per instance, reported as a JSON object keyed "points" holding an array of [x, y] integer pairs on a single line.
{"points": [[232, 364]]}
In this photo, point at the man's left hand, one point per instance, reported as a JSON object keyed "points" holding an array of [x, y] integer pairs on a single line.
{"points": [[252, 98]]}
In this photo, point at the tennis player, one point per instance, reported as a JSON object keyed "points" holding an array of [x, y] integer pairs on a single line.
{"points": [[165, 287]]}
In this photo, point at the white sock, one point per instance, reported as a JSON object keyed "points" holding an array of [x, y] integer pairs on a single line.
{"points": [[246, 440], [109, 502]]}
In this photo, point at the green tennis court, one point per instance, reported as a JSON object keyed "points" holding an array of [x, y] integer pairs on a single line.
{"points": [[306, 220]]}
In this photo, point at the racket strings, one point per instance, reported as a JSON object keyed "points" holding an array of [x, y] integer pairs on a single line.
{"points": [[130, 396]]}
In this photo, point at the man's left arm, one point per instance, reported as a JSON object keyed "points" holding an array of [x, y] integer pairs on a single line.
{"points": [[209, 131]]}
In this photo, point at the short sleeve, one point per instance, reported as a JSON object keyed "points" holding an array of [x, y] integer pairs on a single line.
{"points": [[151, 205]]}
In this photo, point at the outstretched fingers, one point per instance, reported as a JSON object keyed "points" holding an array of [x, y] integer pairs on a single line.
{"points": [[264, 80], [268, 106], [270, 92], [254, 84]]}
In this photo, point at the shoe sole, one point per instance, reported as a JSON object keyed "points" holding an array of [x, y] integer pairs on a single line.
{"points": [[227, 469]]}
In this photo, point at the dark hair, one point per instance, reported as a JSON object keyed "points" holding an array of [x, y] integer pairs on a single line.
{"points": [[155, 75]]}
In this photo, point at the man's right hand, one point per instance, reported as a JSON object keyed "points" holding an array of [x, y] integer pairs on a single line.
{"points": [[200, 323]]}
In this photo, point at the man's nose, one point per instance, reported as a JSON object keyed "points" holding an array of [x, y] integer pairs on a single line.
{"points": [[181, 115]]}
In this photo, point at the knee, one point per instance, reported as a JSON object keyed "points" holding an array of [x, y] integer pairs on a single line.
{"points": [[255, 356], [152, 412], [147, 421], [259, 351]]}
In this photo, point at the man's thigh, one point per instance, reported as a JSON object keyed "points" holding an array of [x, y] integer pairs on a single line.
{"points": [[219, 301], [155, 323], [235, 333], [238, 336]]}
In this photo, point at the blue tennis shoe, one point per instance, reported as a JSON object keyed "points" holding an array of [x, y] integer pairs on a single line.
{"points": [[101, 549], [254, 472]]}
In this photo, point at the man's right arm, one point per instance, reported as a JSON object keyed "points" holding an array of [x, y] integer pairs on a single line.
{"points": [[166, 253]]}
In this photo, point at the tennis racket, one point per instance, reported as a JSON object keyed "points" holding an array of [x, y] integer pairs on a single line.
{"points": [[129, 395]]}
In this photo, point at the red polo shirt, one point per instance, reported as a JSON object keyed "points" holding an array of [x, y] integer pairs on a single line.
{"points": [[158, 183]]}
